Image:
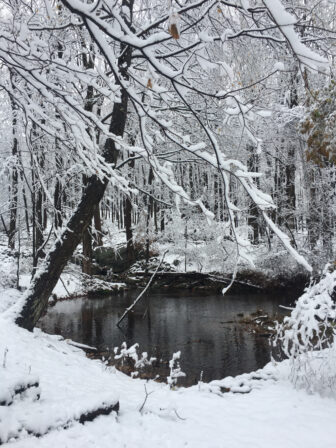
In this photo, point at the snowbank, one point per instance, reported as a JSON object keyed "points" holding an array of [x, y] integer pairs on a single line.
{"points": [[265, 410], [66, 385]]}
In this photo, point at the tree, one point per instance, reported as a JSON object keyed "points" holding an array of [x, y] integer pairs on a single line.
{"points": [[319, 127], [155, 69]]}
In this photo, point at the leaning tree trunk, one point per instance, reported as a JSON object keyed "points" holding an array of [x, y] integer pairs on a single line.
{"points": [[43, 284], [36, 300]]}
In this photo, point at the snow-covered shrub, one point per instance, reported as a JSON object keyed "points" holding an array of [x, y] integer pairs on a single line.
{"points": [[175, 370], [153, 262], [133, 358], [8, 268], [200, 246], [307, 337]]}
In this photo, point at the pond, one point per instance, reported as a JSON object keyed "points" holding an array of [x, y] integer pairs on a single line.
{"points": [[205, 328]]}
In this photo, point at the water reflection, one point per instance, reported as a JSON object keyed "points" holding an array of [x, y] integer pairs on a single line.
{"points": [[200, 326]]}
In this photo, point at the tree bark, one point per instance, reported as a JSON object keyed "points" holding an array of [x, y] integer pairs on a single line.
{"points": [[87, 251], [98, 239]]}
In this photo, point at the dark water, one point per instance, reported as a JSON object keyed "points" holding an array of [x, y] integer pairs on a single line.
{"points": [[166, 322]]}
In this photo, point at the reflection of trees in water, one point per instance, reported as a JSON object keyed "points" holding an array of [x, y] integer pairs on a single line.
{"points": [[262, 350], [130, 327], [98, 324], [87, 325]]}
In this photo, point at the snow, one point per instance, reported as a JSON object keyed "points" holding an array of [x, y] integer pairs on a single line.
{"points": [[264, 411], [307, 328], [286, 242], [279, 66], [286, 22], [69, 385], [68, 284]]}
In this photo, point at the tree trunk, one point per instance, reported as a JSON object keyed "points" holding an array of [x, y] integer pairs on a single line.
{"points": [[87, 251], [128, 208], [39, 239], [253, 213], [14, 184], [128, 228], [38, 199], [58, 193], [290, 189], [25, 203], [314, 215], [42, 285], [149, 209], [98, 238], [293, 101]]}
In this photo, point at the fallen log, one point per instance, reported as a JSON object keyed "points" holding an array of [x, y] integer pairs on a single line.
{"points": [[90, 416], [87, 416], [192, 278], [7, 397]]}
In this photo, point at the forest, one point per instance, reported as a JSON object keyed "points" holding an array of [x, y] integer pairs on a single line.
{"points": [[167, 223]]}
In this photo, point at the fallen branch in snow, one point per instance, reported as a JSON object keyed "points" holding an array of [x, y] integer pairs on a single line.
{"points": [[178, 416], [130, 308]]}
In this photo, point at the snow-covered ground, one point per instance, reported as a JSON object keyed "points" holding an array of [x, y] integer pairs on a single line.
{"points": [[273, 414]]}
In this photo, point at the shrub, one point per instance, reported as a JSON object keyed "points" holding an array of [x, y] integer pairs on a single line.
{"points": [[307, 337]]}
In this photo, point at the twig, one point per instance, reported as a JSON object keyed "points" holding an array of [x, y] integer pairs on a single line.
{"points": [[5, 358], [4, 225], [260, 317], [66, 289], [290, 308], [178, 416], [144, 402], [142, 292], [175, 412]]}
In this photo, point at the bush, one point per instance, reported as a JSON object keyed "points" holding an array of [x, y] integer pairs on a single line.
{"points": [[307, 337]]}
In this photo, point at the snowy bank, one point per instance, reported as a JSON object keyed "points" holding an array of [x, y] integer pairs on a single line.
{"points": [[255, 410]]}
